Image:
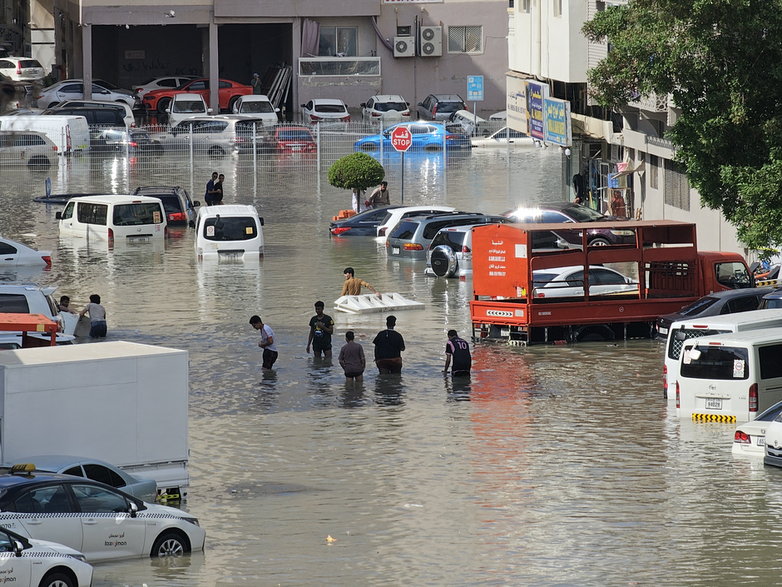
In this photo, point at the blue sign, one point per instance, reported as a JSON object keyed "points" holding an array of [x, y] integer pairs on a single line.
{"points": [[536, 93], [475, 88], [556, 115]]}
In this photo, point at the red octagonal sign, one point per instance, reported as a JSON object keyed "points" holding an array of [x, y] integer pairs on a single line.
{"points": [[401, 138]]}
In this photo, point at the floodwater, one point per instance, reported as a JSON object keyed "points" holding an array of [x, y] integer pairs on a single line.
{"points": [[553, 465]]}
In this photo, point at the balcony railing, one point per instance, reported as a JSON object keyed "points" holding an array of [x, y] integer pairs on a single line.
{"points": [[324, 66], [652, 103]]}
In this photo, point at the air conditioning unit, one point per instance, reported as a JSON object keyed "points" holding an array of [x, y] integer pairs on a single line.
{"points": [[431, 41], [404, 47]]}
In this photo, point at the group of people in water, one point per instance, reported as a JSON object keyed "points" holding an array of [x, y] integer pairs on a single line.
{"points": [[95, 311], [389, 344]]}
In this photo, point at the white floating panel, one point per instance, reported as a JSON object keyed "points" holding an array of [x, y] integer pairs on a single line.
{"points": [[375, 303]]}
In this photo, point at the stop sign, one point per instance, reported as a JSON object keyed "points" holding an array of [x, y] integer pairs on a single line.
{"points": [[401, 138]]}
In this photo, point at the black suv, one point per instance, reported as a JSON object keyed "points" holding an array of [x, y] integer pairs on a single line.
{"points": [[412, 236], [180, 209]]}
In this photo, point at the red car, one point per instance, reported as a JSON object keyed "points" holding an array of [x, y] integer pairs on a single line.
{"points": [[229, 92], [293, 139]]}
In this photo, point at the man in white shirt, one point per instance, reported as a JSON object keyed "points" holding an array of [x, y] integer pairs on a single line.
{"points": [[266, 342]]}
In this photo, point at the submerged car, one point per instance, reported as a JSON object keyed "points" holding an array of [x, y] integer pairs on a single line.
{"points": [[361, 224], [180, 209], [288, 138], [102, 522], [750, 437], [505, 137], [13, 253], [426, 137]]}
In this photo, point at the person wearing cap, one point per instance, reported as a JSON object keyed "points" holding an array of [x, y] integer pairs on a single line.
{"points": [[256, 83], [321, 329], [389, 345], [352, 284]]}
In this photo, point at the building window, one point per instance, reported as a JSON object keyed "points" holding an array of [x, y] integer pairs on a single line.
{"points": [[465, 39], [557, 7], [677, 186], [654, 164], [524, 5], [338, 41]]}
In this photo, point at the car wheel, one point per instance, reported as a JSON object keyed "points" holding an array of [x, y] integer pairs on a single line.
{"points": [[594, 334], [57, 580], [39, 161], [444, 261], [216, 152], [369, 147], [599, 242], [170, 544], [432, 148], [162, 105]]}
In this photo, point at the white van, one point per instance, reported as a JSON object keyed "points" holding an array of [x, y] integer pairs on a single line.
{"points": [[114, 218], [684, 330], [730, 377], [70, 133], [229, 231]]}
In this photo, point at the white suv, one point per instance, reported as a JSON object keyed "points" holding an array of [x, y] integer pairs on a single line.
{"points": [[19, 298], [21, 69]]}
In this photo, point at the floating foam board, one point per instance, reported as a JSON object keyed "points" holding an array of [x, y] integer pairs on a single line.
{"points": [[374, 303]]}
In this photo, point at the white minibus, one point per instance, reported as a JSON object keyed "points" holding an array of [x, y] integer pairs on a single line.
{"points": [[114, 218], [730, 377], [686, 329], [229, 231]]}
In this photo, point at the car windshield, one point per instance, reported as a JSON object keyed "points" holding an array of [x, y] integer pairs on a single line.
{"points": [[543, 277], [330, 108], [451, 238], [721, 363], [137, 214], [698, 306], [389, 106], [170, 203], [230, 228], [449, 106], [583, 214], [254, 107], [188, 106]]}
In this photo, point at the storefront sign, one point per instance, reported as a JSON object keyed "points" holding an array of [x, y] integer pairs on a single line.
{"points": [[536, 93], [557, 122], [516, 103]]}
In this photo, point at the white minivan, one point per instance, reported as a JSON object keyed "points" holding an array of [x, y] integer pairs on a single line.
{"points": [[70, 134], [684, 330], [114, 218], [730, 377], [229, 231]]}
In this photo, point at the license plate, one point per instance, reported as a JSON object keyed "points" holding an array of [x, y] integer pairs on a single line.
{"points": [[394, 250], [662, 330], [713, 403], [760, 440], [138, 239]]}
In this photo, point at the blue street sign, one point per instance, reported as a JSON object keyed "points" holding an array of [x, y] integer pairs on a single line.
{"points": [[475, 88]]}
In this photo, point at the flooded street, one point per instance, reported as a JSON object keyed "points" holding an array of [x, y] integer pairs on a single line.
{"points": [[553, 465]]}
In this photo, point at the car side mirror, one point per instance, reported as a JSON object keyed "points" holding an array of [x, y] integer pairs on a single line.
{"points": [[302, 105], [58, 215], [420, 103], [209, 110], [363, 104], [18, 548], [261, 220], [408, 104], [196, 203], [132, 509], [276, 109]]}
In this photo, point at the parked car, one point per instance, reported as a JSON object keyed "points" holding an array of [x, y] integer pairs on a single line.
{"points": [[749, 439], [505, 137], [73, 89], [21, 69], [362, 224], [41, 563], [214, 135], [180, 209], [184, 106], [97, 470], [731, 301], [468, 123], [13, 254], [773, 441], [114, 218], [27, 147], [229, 231], [450, 252], [228, 92], [411, 237], [386, 108], [100, 521], [572, 212], [257, 106], [114, 87], [325, 111], [292, 139], [141, 143], [440, 106], [772, 300], [127, 111], [426, 137], [566, 282], [395, 215], [159, 83]]}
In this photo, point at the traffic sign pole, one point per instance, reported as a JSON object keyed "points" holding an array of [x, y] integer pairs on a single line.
{"points": [[403, 177], [401, 140]]}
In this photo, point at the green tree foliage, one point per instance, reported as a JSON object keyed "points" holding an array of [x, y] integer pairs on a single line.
{"points": [[357, 171], [721, 60]]}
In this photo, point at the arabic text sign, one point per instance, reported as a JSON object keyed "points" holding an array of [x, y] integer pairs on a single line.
{"points": [[557, 118], [475, 88], [536, 93]]}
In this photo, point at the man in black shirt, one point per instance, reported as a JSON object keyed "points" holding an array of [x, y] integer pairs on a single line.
{"points": [[458, 350], [321, 329], [389, 345]]}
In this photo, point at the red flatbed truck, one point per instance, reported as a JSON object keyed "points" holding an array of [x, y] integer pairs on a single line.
{"points": [[667, 269]]}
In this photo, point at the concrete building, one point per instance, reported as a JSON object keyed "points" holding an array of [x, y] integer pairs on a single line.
{"points": [[621, 153], [349, 49]]}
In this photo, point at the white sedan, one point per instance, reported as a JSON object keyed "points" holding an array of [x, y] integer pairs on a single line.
{"points": [[505, 137], [73, 89], [13, 253], [159, 83], [568, 282], [39, 563], [325, 111], [750, 437]]}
